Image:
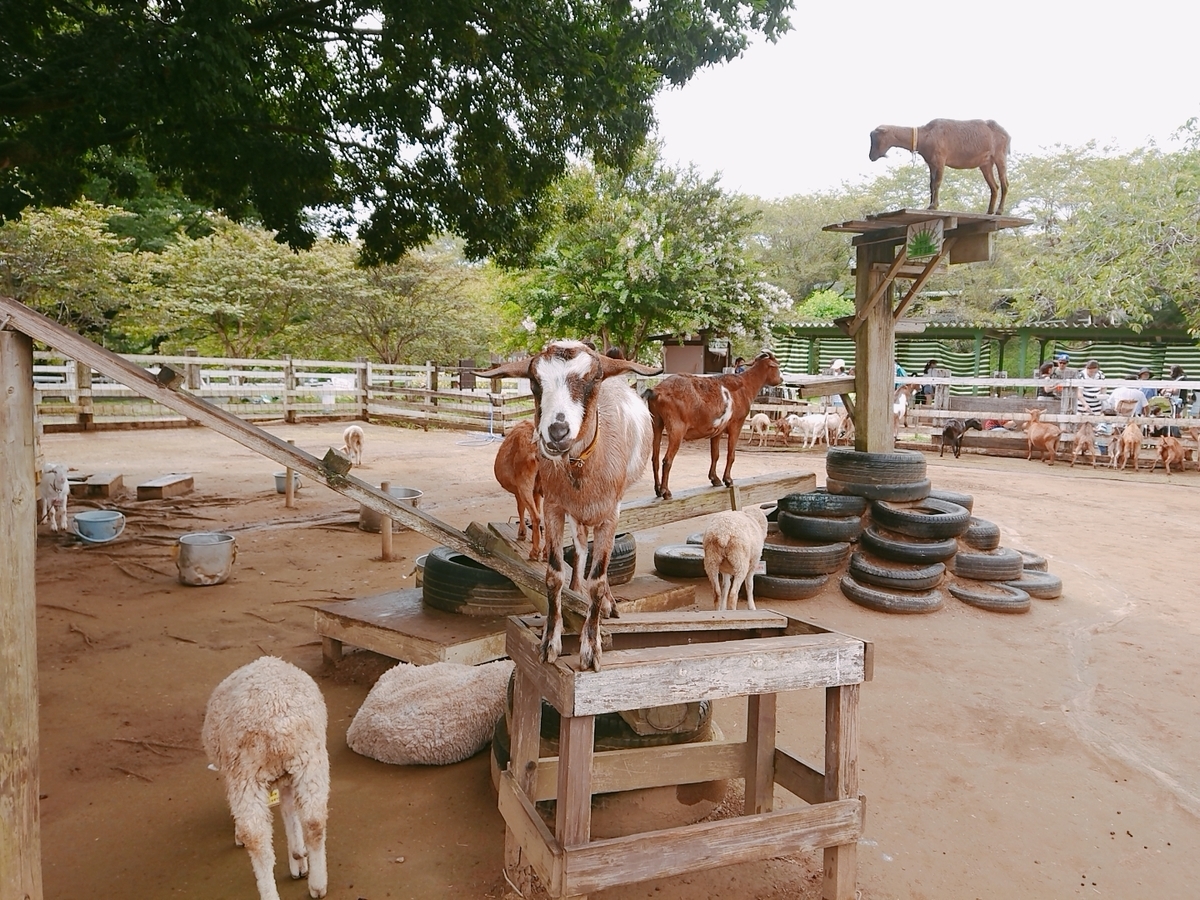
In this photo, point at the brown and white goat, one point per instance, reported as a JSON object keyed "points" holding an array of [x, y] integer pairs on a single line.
{"points": [[705, 407], [969, 144], [516, 469], [1042, 436], [1084, 441], [592, 434], [1170, 450], [952, 434]]}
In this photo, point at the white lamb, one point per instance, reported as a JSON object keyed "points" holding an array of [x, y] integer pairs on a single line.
{"points": [[733, 545], [264, 728], [53, 492], [812, 427], [759, 425], [352, 444]]}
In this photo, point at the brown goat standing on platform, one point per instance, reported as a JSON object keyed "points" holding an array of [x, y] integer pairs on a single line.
{"points": [[516, 469], [592, 433], [705, 407], [969, 144], [1043, 436]]}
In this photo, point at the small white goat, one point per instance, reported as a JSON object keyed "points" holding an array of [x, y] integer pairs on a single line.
{"points": [[593, 437], [733, 545], [264, 728], [352, 444], [53, 492], [760, 424], [811, 427]]}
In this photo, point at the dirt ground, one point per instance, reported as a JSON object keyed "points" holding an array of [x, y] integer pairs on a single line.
{"points": [[1045, 755]]}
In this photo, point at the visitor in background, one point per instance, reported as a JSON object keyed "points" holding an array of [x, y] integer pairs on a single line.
{"points": [[1144, 374], [1178, 396], [1091, 396], [1045, 372]]}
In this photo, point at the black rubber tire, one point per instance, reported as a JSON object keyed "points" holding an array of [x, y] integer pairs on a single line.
{"points": [[966, 501], [994, 596], [928, 519], [696, 537], [907, 602], [981, 534], [778, 587], [820, 528], [910, 490], [822, 503], [858, 467], [680, 560], [1032, 562], [622, 563], [456, 583], [905, 576], [790, 558], [1001, 564], [895, 547], [1041, 585]]}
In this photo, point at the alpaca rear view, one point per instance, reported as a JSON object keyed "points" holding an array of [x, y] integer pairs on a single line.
{"points": [[264, 728]]}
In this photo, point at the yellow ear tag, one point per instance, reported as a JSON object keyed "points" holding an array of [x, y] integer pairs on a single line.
{"points": [[273, 797]]}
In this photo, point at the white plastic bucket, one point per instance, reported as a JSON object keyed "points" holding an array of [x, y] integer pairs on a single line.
{"points": [[281, 482], [99, 526], [204, 557], [369, 520]]}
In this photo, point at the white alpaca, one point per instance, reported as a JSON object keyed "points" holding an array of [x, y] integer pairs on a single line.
{"points": [[733, 545], [352, 444], [264, 728], [53, 491]]}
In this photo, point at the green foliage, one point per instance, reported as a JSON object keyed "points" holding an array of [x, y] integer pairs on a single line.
{"points": [[631, 256], [430, 117], [823, 306]]}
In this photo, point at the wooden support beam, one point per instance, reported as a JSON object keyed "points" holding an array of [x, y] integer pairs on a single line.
{"points": [[72, 345], [841, 783], [880, 288], [874, 359], [20, 823], [930, 268]]}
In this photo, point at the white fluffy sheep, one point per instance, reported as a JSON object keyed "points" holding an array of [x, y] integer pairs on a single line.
{"points": [[352, 444], [760, 423], [264, 728], [733, 545], [53, 491]]}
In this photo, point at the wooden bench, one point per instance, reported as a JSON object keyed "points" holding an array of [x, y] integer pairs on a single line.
{"points": [[165, 486]]}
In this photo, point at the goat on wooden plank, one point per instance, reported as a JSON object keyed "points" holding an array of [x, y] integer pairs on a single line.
{"points": [[959, 144], [705, 407], [592, 434]]}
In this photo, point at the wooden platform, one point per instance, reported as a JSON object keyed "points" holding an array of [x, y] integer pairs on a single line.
{"points": [[100, 485], [399, 625], [165, 486], [673, 658]]}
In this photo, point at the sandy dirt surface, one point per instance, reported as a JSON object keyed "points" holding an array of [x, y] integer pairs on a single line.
{"points": [[1045, 755]]}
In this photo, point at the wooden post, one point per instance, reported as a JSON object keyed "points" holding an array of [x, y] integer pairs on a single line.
{"points": [[525, 744], [760, 761], [87, 409], [20, 824], [385, 526], [289, 486], [841, 783], [363, 377], [289, 387], [191, 371], [874, 354]]}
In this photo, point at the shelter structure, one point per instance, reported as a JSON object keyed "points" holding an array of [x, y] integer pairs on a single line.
{"points": [[911, 245]]}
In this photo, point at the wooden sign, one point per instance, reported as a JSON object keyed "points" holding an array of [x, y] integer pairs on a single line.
{"points": [[924, 239]]}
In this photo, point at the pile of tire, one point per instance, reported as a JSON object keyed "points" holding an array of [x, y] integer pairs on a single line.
{"points": [[622, 562], [897, 476], [999, 579], [453, 582]]}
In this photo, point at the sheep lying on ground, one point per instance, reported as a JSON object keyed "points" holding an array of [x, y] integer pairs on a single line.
{"points": [[352, 444], [760, 423], [53, 491], [264, 728], [733, 545]]}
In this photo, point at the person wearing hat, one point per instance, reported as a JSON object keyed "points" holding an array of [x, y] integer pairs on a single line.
{"points": [[837, 367], [1144, 374], [1062, 371]]}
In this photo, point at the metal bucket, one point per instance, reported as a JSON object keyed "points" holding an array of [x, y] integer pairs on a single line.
{"points": [[281, 482], [204, 557], [369, 520], [99, 526]]}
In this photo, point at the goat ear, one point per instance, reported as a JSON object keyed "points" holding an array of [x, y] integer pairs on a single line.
{"points": [[613, 367], [518, 369]]}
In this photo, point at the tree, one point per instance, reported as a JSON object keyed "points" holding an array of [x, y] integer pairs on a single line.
{"points": [[449, 116], [655, 250]]}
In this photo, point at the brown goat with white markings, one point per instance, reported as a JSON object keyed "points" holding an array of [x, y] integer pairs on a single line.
{"points": [[970, 144], [516, 468], [705, 407], [592, 434]]}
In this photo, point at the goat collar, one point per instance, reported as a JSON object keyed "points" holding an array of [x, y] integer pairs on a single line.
{"points": [[576, 462], [913, 148]]}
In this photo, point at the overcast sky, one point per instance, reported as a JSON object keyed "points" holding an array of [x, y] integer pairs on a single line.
{"points": [[795, 116]]}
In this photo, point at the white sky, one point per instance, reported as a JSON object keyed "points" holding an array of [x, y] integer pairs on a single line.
{"points": [[795, 116]]}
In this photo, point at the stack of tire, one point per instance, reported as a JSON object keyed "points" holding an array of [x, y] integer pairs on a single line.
{"points": [[816, 529], [995, 578], [453, 582], [899, 563]]}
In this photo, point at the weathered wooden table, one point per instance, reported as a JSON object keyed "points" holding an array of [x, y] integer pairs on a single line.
{"points": [[657, 659]]}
